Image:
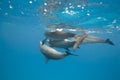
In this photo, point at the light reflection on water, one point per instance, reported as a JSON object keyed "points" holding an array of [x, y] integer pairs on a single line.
{"points": [[64, 14]]}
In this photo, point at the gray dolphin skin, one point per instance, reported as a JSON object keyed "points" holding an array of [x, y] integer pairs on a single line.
{"points": [[79, 39], [59, 35], [67, 43], [94, 39], [51, 53]]}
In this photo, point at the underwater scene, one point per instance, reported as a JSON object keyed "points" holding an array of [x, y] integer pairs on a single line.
{"points": [[59, 40]]}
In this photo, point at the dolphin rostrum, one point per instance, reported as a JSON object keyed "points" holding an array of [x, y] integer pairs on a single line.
{"points": [[51, 53]]}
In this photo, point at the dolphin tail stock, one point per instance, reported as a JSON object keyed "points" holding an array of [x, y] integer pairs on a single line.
{"points": [[109, 42], [68, 53], [67, 49]]}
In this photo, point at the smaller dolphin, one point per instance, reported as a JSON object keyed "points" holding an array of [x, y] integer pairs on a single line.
{"points": [[65, 43], [68, 43], [59, 35], [51, 53]]}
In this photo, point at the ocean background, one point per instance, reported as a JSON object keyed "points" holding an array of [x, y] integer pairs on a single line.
{"points": [[22, 26]]}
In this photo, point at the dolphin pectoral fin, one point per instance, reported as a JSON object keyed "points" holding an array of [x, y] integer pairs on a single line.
{"points": [[79, 40], [46, 61], [43, 41], [75, 46]]}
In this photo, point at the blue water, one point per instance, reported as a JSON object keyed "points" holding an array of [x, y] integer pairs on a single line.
{"points": [[22, 25]]}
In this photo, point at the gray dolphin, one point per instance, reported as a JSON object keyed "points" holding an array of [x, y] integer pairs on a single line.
{"points": [[67, 43], [59, 35], [51, 53]]}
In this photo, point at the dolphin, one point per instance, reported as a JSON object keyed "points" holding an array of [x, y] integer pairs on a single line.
{"points": [[65, 43], [59, 35], [51, 53], [68, 43]]}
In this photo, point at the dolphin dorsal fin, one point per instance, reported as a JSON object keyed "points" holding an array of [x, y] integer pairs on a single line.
{"points": [[46, 61]]}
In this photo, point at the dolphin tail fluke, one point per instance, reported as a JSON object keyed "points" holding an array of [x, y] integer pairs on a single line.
{"points": [[109, 42], [68, 53]]}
